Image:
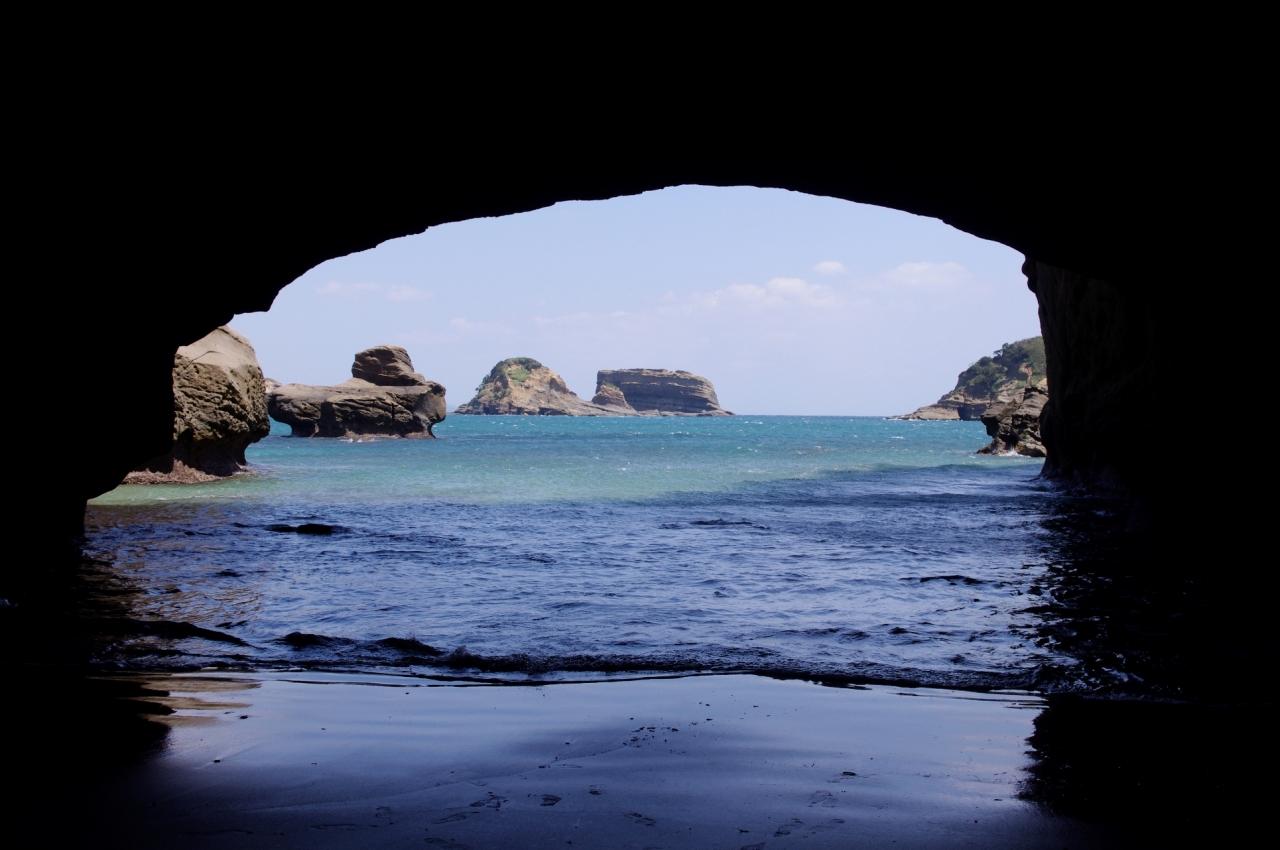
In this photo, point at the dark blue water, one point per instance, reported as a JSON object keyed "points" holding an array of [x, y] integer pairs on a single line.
{"points": [[551, 547]]}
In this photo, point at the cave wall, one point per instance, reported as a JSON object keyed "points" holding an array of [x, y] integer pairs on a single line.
{"points": [[1109, 402], [157, 246]]}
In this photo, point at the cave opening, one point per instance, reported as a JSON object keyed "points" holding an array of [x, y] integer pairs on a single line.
{"points": [[1106, 604]]}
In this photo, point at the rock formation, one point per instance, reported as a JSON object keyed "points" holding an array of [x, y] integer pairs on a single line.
{"points": [[521, 386], [659, 392], [219, 409], [608, 394], [383, 398], [1014, 425], [993, 380]]}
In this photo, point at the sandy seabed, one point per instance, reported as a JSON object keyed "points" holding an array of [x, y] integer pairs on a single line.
{"points": [[726, 761]]}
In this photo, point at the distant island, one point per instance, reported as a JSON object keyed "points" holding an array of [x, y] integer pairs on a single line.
{"points": [[521, 386], [1006, 392]]}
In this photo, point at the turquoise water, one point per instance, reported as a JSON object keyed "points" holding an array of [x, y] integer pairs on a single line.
{"points": [[550, 546], [528, 459]]}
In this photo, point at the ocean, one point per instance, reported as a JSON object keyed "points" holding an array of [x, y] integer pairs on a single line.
{"points": [[556, 548]]}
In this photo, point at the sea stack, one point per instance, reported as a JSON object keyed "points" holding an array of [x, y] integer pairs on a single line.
{"points": [[384, 397], [521, 386], [1014, 426], [660, 392], [219, 409]]}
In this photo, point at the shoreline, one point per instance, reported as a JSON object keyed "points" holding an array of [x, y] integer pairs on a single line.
{"points": [[346, 760], [307, 758]]}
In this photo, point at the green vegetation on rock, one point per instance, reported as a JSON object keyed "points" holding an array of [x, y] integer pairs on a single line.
{"points": [[516, 370], [1022, 361]]}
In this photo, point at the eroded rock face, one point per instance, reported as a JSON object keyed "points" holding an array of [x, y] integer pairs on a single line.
{"points": [[1114, 367], [386, 366], [521, 386], [1014, 423], [220, 408], [384, 398], [661, 392], [608, 394]]}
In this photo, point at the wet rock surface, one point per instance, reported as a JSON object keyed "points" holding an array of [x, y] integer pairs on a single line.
{"points": [[383, 398], [219, 410]]}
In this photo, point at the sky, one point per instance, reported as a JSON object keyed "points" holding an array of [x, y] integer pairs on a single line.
{"points": [[789, 303]]}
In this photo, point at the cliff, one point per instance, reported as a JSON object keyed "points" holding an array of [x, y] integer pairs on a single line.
{"points": [[521, 386], [993, 380], [659, 392], [385, 397], [219, 410]]}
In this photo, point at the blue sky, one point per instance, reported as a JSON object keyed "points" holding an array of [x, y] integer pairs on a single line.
{"points": [[789, 303]]}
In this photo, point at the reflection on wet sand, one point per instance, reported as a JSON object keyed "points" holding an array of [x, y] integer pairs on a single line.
{"points": [[1162, 727]]}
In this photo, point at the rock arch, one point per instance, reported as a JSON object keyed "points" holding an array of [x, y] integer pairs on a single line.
{"points": [[163, 247]]}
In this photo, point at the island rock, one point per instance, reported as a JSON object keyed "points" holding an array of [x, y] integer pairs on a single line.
{"points": [[521, 386], [385, 397], [991, 381], [660, 392], [220, 408], [1014, 424]]}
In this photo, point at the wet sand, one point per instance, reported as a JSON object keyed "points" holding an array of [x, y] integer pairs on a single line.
{"points": [[327, 760]]}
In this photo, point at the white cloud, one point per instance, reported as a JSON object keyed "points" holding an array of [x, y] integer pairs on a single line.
{"points": [[399, 294], [829, 267], [779, 291], [928, 275]]}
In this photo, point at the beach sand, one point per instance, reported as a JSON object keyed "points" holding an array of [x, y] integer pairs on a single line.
{"points": [[727, 761]]}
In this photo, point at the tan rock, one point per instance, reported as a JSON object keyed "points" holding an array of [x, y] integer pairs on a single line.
{"points": [[1014, 424], [384, 398], [220, 408], [608, 394]]}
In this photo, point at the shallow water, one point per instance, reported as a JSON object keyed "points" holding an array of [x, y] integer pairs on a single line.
{"points": [[516, 546]]}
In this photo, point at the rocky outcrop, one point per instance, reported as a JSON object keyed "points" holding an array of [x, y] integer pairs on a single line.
{"points": [[521, 386], [609, 395], [1014, 424], [990, 381], [219, 410], [383, 398], [660, 392], [386, 366]]}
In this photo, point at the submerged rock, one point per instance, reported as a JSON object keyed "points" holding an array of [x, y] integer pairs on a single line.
{"points": [[219, 410], [521, 386], [383, 398], [660, 392], [1014, 425]]}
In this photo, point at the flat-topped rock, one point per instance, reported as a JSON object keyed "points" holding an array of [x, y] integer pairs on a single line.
{"points": [[521, 386], [661, 392], [383, 398], [220, 408]]}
